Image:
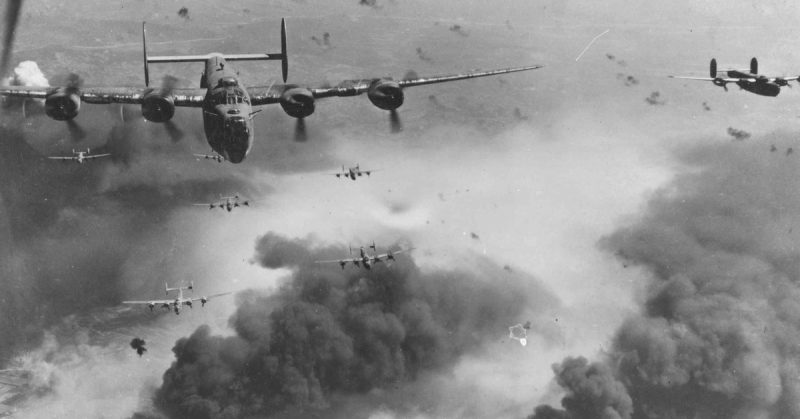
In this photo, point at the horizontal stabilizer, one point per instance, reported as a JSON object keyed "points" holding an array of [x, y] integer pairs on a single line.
{"points": [[282, 56], [203, 58]]}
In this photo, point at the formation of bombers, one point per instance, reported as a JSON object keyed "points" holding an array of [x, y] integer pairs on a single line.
{"points": [[228, 111], [229, 108]]}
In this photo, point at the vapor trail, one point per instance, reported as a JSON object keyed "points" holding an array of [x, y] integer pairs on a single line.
{"points": [[590, 44]]}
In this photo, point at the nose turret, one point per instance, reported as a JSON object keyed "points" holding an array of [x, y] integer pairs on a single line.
{"points": [[236, 133]]}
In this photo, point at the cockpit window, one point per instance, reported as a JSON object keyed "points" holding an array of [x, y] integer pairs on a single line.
{"points": [[231, 96], [228, 82]]}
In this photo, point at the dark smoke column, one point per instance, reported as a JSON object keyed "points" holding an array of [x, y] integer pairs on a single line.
{"points": [[719, 332], [337, 331]]}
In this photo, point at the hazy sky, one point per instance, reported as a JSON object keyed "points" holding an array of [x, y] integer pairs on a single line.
{"points": [[549, 168]]}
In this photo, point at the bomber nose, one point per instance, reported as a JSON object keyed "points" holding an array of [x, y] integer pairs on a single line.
{"points": [[235, 156]]}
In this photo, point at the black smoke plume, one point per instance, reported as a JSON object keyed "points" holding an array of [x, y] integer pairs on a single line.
{"points": [[138, 345], [655, 99], [459, 30], [627, 79], [184, 13], [719, 331], [738, 134], [592, 392], [330, 330]]}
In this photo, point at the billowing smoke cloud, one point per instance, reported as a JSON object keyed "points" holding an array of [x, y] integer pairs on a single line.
{"points": [[655, 99], [137, 344], [719, 331], [592, 392], [627, 79], [738, 134], [456, 28], [351, 330], [27, 73]]}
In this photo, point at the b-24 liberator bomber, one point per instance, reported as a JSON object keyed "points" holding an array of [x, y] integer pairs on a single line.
{"points": [[216, 157], [79, 156], [364, 258], [226, 202], [352, 172], [177, 302], [748, 80], [226, 103]]}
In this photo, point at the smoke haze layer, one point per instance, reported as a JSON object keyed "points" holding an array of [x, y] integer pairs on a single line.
{"points": [[331, 331], [718, 332]]}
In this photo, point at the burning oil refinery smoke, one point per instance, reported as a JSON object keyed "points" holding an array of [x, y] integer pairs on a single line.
{"points": [[719, 331], [327, 330]]}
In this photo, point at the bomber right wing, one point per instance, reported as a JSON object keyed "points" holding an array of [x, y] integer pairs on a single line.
{"points": [[386, 256], [191, 97], [272, 94], [94, 156], [341, 262], [208, 297], [63, 158]]}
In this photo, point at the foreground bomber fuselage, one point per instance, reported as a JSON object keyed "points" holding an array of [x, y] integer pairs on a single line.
{"points": [[227, 114]]}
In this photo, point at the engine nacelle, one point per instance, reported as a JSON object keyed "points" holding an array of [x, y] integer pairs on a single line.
{"points": [[158, 107], [63, 104], [297, 102], [386, 94]]}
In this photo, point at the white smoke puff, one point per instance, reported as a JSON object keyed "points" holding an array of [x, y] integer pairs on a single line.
{"points": [[27, 73]]}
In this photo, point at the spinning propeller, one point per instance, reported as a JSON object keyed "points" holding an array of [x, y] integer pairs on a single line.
{"points": [[168, 84], [76, 132], [300, 134]]}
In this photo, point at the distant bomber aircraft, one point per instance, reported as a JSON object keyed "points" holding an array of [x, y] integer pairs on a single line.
{"points": [[228, 105], [748, 80], [79, 156], [177, 302], [352, 172], [365, 259], [226, 202], [216, 157]]}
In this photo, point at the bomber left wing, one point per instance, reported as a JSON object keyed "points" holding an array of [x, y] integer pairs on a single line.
{"points": [[154, 302], [384, 93]]}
